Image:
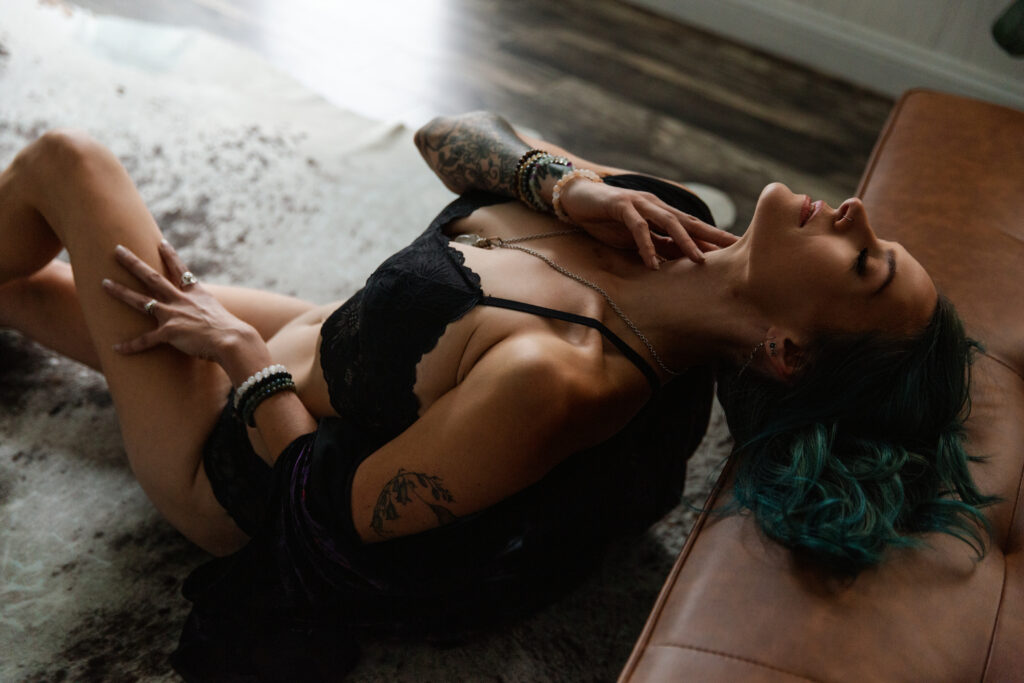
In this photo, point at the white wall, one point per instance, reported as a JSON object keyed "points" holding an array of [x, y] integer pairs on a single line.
{"points": [[886, 45]]}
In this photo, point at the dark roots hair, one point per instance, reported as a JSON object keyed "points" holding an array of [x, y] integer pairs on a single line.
{"points": [[863, 449]]}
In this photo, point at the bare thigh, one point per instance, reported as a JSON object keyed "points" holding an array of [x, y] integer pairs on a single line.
{"points": [[44, 307], [67, 190]]}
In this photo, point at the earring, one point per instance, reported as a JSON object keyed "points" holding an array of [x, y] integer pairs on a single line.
{"points": [[771, 348], [750, 358]]}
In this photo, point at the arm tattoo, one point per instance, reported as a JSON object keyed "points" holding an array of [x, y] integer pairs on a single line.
{"points": [[553, 170], [473, 151], [402, 490]]}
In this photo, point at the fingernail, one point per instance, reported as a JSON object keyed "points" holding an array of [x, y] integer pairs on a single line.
{"points": [[106, 282], [119, 249]]}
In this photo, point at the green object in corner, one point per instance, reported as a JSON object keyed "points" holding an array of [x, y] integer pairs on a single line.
{"points": [[1009, 29]]}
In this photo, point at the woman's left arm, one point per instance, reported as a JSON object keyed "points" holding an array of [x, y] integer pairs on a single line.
{"points": [[194, 322]]}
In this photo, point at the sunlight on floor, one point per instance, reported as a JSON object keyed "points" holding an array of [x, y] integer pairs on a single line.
{"points": [[375, 49]]}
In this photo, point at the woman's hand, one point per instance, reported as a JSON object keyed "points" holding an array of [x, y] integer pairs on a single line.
{"points": [[188, 317], [628, 219]]}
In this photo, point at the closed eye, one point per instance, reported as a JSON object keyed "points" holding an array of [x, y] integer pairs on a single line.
{"points": [[860, 265]]}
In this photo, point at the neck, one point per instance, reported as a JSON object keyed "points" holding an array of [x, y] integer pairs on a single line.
{"points": [[701, 313]]}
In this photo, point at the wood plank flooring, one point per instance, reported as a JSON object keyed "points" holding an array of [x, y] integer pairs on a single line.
{"points": [[610, 81]]}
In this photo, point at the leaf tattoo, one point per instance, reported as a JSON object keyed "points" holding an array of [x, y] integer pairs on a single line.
{"points": [[404, 488]]}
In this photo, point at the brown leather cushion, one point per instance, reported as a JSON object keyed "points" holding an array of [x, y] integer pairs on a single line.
{"points": [[946, 180]]}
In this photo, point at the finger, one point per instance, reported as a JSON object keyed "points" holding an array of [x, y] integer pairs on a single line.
{"points": [[141, 343], [667, 248], [641, 231], [155, 282], [698, 229], [695, 227], [670, 225], [175, 266], [127, 295]]}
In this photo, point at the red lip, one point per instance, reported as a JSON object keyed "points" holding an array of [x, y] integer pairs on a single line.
{"points": [[817, 207], [805, 210]]}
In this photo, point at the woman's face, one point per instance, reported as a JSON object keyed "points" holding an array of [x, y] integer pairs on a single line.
{"points": [[817, 268]]}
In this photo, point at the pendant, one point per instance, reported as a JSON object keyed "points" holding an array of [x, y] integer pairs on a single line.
{"points": [[473, 241]]}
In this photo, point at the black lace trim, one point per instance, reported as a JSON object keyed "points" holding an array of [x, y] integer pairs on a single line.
{"points": [[372, 344]]}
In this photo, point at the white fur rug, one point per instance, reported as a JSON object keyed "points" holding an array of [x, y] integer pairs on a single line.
{"points": [[258, 182]]}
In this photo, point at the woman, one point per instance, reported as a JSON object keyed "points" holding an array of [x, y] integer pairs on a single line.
{"points": [[444, 408]]}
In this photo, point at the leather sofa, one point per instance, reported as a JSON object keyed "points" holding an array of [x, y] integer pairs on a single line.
{"points": [[946, 179]]}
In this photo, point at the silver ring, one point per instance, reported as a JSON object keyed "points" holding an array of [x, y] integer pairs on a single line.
{"points": [[846, 218], [188, 279], [148, 308]]}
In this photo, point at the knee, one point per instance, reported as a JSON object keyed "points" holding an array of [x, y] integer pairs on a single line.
{"points": [[65, 152]]}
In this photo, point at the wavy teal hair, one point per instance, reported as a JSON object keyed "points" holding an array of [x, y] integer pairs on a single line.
{"points": [[863, 449]]}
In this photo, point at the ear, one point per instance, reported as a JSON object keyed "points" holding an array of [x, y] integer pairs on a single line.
{"points": [[787, 355]]}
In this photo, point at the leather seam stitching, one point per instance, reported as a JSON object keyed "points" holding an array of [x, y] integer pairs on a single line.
{"points": [[740, 658], [644, 641]]}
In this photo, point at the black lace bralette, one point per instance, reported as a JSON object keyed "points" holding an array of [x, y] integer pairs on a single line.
{"points": [[373, 342]]}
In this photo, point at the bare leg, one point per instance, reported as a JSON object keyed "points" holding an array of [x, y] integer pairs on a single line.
{"points": [[65, 189], [44, 307]]}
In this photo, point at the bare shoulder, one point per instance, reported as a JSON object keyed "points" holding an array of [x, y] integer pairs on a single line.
{"points": [[570, 390], [528, 403]]}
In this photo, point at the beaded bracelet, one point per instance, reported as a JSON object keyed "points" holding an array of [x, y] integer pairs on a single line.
{"points": [[556, 194], [255, 398], [244, 387], [563, 165], [529, 169], [517, 178], [258, 388]]}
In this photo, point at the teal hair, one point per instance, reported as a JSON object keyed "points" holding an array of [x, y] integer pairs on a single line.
{"points": [[863, 449]]}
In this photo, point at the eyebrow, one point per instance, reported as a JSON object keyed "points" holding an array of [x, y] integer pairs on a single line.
{"points": [[890, 257]]}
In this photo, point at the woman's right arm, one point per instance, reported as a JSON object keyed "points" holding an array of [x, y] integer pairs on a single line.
{"points": [[478, 151]]}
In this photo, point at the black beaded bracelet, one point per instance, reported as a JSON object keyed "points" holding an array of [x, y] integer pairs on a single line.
{"points": [[522, 179], [258, 388], [520, 165], [253, 399], [267, 373], [526, 195]]}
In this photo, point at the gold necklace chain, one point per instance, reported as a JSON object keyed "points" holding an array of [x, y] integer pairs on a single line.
{"points": [[488, 242]]}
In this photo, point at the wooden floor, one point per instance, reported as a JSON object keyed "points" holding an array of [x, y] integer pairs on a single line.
{"points": [[612, 82]]}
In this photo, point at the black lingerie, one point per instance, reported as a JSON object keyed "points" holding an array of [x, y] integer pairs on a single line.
{"points": [[305, 569]]}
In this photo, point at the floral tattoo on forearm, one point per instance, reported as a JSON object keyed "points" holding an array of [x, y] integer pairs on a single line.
{"points": [[405, 488]]}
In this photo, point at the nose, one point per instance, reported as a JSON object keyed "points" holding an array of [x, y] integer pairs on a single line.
{"points": [[851, 215]]}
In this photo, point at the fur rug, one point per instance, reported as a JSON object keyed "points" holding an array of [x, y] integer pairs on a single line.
{"points": [[258, 182]]}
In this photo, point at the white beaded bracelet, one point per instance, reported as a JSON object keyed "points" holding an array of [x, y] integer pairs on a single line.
{"points": [[244, 387], [563, 182]]}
